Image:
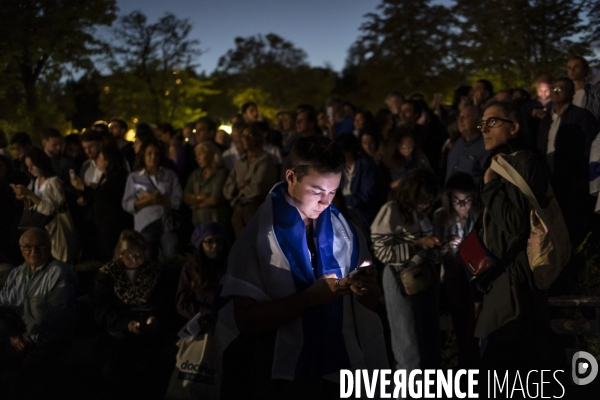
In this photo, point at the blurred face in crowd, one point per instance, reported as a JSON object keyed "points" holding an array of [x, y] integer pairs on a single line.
{"points": [[163, 136], [151, 158], [20, 150], [212, 246], [408, 115], [501, 132], [250, 141], [72, 150], [202, 132], [188, 135], [561, 93], [369, 145], [33, 170], [101, 162], [313, 193], [251, 114], [359, 122], [302, 123], [91, 149], [116, 130], [478, 91], [236, 139], [35, 248], [137, 144], [576, 70], [287, 122], [222, 138], [543, 90], [461, 202], [467, 122], [52, 146], [394, 104], [202, 157], [133, 257], [406, 147]]}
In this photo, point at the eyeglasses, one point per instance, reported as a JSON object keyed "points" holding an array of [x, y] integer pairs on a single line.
{"points": [[491, 122], [557, 89], [29, 249], [135, 256], [462, 203], [211, 242]]}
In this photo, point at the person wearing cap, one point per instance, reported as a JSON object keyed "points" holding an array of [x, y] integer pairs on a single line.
{"points": [[201, 273]]}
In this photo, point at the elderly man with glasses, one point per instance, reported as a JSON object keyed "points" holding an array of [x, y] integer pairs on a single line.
{"points": [[565, 137], [37, 301]]}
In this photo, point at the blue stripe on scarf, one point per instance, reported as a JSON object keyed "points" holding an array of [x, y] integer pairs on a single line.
{"points": [[324, 349]]}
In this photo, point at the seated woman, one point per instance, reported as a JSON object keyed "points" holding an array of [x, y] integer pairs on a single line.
{"points": [[108, 217], [129, 302], [406, 156], [452, 223], [200, 276], [400, 231], [152, 194], [45, 203], [204, 189]]}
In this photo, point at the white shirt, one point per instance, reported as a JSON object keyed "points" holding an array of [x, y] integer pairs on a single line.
{"points": [[90, 173], [579, 98], [552, 133], [230, 156], [275, 152]]}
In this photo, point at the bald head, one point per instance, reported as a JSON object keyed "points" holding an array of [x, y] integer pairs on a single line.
{"points": [[35, 246]]}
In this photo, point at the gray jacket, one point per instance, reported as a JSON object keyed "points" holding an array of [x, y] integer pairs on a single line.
{"points": [[46, 301]]}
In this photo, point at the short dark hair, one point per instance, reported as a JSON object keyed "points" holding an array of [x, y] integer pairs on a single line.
{"points": [[348, 143], [585, 62], [487, 85], [247, 105], [316, 152], [91, 136], [41, 160], [21, 138], [256, 130], [305, 107], [311, 116], [166, 128], [462, 182], [122, 124], [395, 94], [50, 133], [568, 82], [416, 105], [210, 123], [73, 138]]}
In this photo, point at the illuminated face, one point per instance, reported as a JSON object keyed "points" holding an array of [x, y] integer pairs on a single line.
{"points": [[52, 146], [133, 257], [33, 170], [91, 149], [313, 193], [461, 202], [467, 121], [501, 132], [34, 249], [544, 90], [212, 244]]}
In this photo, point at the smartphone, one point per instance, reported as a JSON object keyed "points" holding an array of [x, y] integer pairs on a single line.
{"points": [[362, 269]]}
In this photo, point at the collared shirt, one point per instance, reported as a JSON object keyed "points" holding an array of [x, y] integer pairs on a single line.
{"points": [[90, 174], [467, 157], [261, 175], [45, 300], [230, 156], [140, 184]]}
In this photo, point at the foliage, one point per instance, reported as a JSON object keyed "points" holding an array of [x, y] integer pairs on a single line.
{"points": [[40, 42], [153, 77]]}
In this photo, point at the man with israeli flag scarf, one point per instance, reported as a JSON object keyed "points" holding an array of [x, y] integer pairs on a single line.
{"points": [[294, 316]]}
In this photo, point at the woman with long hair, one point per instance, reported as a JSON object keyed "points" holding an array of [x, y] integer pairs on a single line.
{"points": [[45, 203], [402, 232], [406, 155]]}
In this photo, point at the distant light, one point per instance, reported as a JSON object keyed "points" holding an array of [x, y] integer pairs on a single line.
{"points": [[135, 120], [194, 130], [175, 72], [106, 89], [130, 135], [167, 93], [178, 81], [226, 128], [186, 140]]}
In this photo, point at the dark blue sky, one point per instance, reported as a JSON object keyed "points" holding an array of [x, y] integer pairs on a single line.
{"points": [[324, 29]]}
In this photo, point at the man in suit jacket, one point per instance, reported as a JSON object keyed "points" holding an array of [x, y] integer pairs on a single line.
{"points": [[565, 136]]}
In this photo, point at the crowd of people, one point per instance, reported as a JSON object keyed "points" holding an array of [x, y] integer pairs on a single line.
{"points": [[274, 218]]}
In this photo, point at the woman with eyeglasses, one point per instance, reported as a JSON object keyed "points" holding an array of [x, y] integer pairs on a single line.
{"points": [[451, 224], [129, 301], [512, 323], [200, 276], [400, 233]]}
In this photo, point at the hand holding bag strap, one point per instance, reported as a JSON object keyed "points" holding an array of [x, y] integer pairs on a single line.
{"points": [[505, 170]]}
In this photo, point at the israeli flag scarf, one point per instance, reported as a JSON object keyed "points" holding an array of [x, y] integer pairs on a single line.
{"points": [[327, 338]]}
